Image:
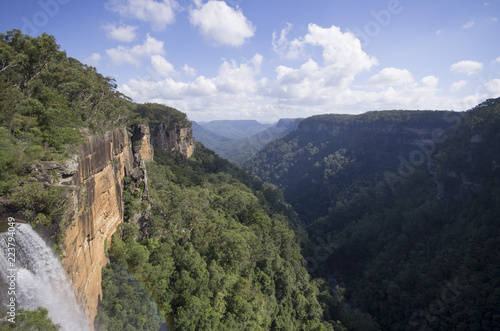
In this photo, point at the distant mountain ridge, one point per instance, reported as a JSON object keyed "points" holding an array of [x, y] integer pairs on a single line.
{"points": [[239, 140], [235, 129]]}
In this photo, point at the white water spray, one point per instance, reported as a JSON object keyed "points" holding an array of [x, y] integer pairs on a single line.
{"points": [[40, 279]]}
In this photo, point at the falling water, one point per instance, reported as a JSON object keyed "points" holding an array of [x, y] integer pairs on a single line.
{"points": [[40, 279]]}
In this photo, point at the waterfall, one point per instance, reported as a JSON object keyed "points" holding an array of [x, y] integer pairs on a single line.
{"points": [[40, 278]]}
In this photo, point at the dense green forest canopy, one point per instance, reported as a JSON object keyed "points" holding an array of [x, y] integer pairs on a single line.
{"points": [[47, 102], [217, 255], [409, 223]]}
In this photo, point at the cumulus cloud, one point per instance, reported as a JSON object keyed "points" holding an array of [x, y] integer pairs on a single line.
{"points": [[161, 66], [324, 81], [457, 86], [122, 55], [390, 77], [93, 60], [493, 88], [466, 67], [124, 33], [341, 50], [313, 82], [157, 13], [221, 24], [234, 78]]}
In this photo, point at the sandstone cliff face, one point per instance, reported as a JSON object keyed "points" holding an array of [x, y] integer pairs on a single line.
{"points": [[176, 140], [94, 204], [142, 142], [95, 210]]}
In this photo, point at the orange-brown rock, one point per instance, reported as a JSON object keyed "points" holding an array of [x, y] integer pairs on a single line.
{"points": [[174, 140], [94, 207], [96, 211], [142, 142]]}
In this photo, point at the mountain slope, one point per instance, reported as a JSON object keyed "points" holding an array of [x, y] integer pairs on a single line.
{"points": [[328, 156], [241, 149], [235, 129], [414, 237], [209, 139]]}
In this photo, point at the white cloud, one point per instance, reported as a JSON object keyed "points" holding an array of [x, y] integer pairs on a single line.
{"points": [[234, 78], [497, 60], [201, 86], [493, 88], [314, 83], [122, 55], [93, 60], [391, 77], [491, 19], [161, 66], [188, 70], [324, 81], [468, 25], [280, 45], [221, 24], [457, 86], [341, 51], [124, 33], [466, 67], [157, 13]]}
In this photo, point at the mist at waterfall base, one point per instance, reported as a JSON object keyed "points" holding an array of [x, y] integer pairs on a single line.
{"points": [[40, 279]]}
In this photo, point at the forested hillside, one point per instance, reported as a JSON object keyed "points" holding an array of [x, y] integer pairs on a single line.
{"points": [[409, 223], [48, 101], [216, 250], [218, 256]]}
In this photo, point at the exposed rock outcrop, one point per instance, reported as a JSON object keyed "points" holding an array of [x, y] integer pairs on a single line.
{"points": [[96, 208], [176, 140], [141, 137], [94, 212], [94, 204]]}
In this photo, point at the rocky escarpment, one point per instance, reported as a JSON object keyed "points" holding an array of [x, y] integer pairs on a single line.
{"points": [[416, 125], [95, 210], [467, 160], [176, 140], [94, 203]]}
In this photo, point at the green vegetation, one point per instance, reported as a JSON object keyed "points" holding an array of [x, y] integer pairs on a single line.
{"points": [[30, 320], [419, 252], [401, 206], [47, 101], [217, 256], [159, 114]]}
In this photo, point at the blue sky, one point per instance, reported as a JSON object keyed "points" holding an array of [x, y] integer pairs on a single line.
{"points": [[266, 60]]}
